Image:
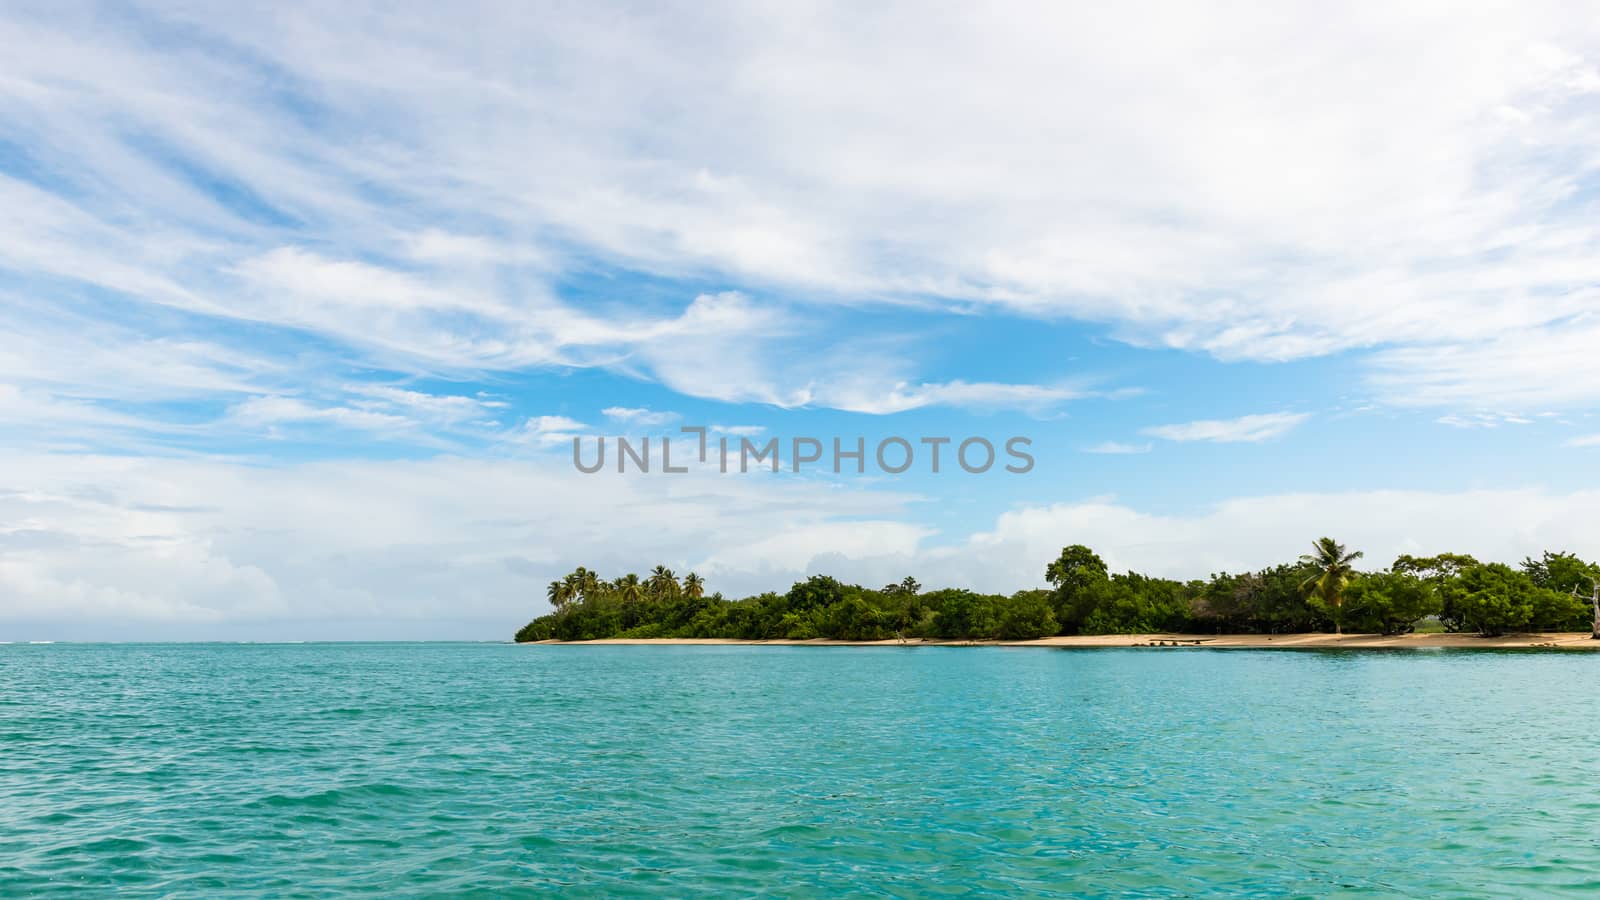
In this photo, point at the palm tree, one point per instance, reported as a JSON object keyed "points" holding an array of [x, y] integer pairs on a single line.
{"points": [[694, 586], [587, 582], [560, 594], [631, 589], [663, 583], [1333, 569]]}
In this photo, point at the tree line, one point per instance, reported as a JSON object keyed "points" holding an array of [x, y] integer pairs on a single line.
{"points": [[1321, 591]]}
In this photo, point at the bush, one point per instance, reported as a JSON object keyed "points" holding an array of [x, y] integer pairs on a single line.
{"points": [[962, 614], [1389, 603], [1026, 616], [1493, 599]]}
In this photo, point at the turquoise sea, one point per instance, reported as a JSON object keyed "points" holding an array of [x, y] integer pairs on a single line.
{"points": [[484, 769]]}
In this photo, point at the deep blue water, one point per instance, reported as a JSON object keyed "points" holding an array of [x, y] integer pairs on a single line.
{"points": [[422, 769]]}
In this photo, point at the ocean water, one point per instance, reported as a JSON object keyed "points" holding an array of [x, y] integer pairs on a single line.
{"points": [[483, 769]]}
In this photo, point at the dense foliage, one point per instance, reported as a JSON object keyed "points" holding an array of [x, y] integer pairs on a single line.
{"points": [[1322, 591]]}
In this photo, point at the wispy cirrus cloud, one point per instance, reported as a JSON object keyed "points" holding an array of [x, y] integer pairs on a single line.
{"points": [[273, 411], [1482, 420], [1245, 429], [638, 416], [1117, 448], [379, 409], [549, 431], [446, 409], [880, 399], [1521, 369], [251, 167]]}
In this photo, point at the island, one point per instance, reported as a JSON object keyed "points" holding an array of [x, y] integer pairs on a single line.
{"points": [[1321, 600]]}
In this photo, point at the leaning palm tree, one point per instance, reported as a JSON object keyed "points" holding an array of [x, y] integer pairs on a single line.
{"points": [[560, 594], [694, 586], [1333, 568]]}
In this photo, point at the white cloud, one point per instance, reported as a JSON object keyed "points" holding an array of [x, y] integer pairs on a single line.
{"points": [[1117, 448], [1245, 429], [380, 410], [441, 409], [757, 360], [880, 399], [27, 409], [1251, 532], [638, 416], [404, 316], [1588, 440], [108, 546], [48, 346], [447, 547], [1269, 184], [270, 411], [1482, 420], [1525, 369], [432, 245], [550, 431]]}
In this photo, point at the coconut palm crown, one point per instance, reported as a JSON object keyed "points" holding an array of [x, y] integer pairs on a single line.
{"points": [[1333, 566]]}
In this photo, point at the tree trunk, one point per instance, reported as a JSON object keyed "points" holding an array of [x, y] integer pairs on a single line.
{"points": [[1594, 598]]}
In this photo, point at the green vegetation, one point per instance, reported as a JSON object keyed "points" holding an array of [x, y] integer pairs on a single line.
{"points": [[1322, 591], [1331, 567]]}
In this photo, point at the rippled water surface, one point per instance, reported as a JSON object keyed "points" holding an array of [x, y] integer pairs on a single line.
{"points": [[216, 770]]}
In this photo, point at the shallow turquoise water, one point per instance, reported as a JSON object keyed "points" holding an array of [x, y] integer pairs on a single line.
{"points": [[215, 770]]}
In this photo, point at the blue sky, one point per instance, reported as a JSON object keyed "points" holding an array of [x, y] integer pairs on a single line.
{"points": [[299, 312]]}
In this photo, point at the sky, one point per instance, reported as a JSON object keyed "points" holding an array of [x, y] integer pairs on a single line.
{"points": [[302, 308]]}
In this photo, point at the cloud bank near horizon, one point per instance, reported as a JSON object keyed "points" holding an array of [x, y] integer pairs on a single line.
{"points": [[108, 546]]}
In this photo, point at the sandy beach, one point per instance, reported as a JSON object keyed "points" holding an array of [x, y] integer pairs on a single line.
{"points": [[1315, 641]]}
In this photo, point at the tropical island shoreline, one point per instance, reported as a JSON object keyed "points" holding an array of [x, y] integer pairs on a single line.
{"points": [[1303, 641], [1321, 601]]}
